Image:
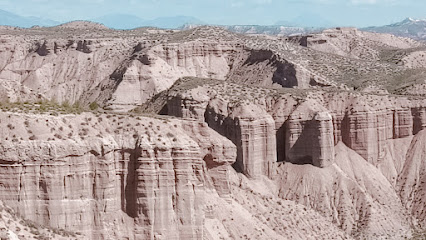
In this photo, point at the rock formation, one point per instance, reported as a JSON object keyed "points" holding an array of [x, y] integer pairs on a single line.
{"points": [[130, 182], [309, 136], [252, 134], [306, 137], [337, 132]]}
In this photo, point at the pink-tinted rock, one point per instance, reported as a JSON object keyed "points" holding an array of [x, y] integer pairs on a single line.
{"points": [[419, 119], [322, 141], [138, 183], [218, 154], [252, 130], [309, 136]]}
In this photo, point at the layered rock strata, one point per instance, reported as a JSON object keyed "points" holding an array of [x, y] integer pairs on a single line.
{"points": [[253, 135], [309, 136], [219, 154], [111, 177], [299, 137], [323, 141]]}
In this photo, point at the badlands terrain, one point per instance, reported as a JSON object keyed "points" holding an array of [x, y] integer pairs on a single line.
{"points": [[209, 134]]}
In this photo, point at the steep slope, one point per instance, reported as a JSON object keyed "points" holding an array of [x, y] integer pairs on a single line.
{"points": [[14, 226], [63, 69], [412, 179], [122, 74], [283, 134], [352, 193], [350, 42], [256, 212]]}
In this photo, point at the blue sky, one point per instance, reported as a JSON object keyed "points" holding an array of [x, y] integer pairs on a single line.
{"points": [[262, 12]]}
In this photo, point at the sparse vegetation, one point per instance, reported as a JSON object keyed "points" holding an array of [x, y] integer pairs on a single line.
{"points": [[93, 106]]}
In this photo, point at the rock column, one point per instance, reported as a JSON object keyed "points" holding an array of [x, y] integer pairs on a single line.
{"points": [[323, 140]]}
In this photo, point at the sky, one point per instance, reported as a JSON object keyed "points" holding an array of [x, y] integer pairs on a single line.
{"points": [[359, 13]]}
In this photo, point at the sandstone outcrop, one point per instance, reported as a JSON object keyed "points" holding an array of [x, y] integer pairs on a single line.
{"points": [[340, 117], [134, 181], [353, 43], [169, 62], [309, 136], [253, 135], [337, 132], [267, 68], [219, 154]]}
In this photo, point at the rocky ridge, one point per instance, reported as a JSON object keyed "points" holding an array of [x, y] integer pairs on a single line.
{"points": [[66, 63]]}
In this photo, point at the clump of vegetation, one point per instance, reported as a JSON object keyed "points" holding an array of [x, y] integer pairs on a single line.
{"points": [[94, 106], [51, 107]]}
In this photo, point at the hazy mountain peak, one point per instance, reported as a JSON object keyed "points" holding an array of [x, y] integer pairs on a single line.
{"points": [[409, 20], [409, 27], [11, 19]]}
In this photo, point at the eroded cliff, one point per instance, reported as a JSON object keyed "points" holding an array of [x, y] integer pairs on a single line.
{"points": [[110, 176], [344, 153]]}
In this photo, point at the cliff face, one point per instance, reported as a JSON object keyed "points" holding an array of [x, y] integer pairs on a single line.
{"points": [[124, 177], [253, 135], [309, 136], [264, 67], [305, 130], [121, 73], [132, 182], [156, 69], [345, 154]]}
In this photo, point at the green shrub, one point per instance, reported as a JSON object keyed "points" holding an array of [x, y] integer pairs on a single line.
{"points": [[93, 106]]}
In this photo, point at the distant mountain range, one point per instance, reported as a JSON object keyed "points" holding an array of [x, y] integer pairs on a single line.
{"points": [[409, 27], [117, 21], [308, 23], [11, 19]]}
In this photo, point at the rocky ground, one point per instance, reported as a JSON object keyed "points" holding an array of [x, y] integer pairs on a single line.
{"points": [[208, 134]]}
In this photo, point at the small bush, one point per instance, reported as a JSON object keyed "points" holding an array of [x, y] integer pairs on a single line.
{"points": [[93, 106]]}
